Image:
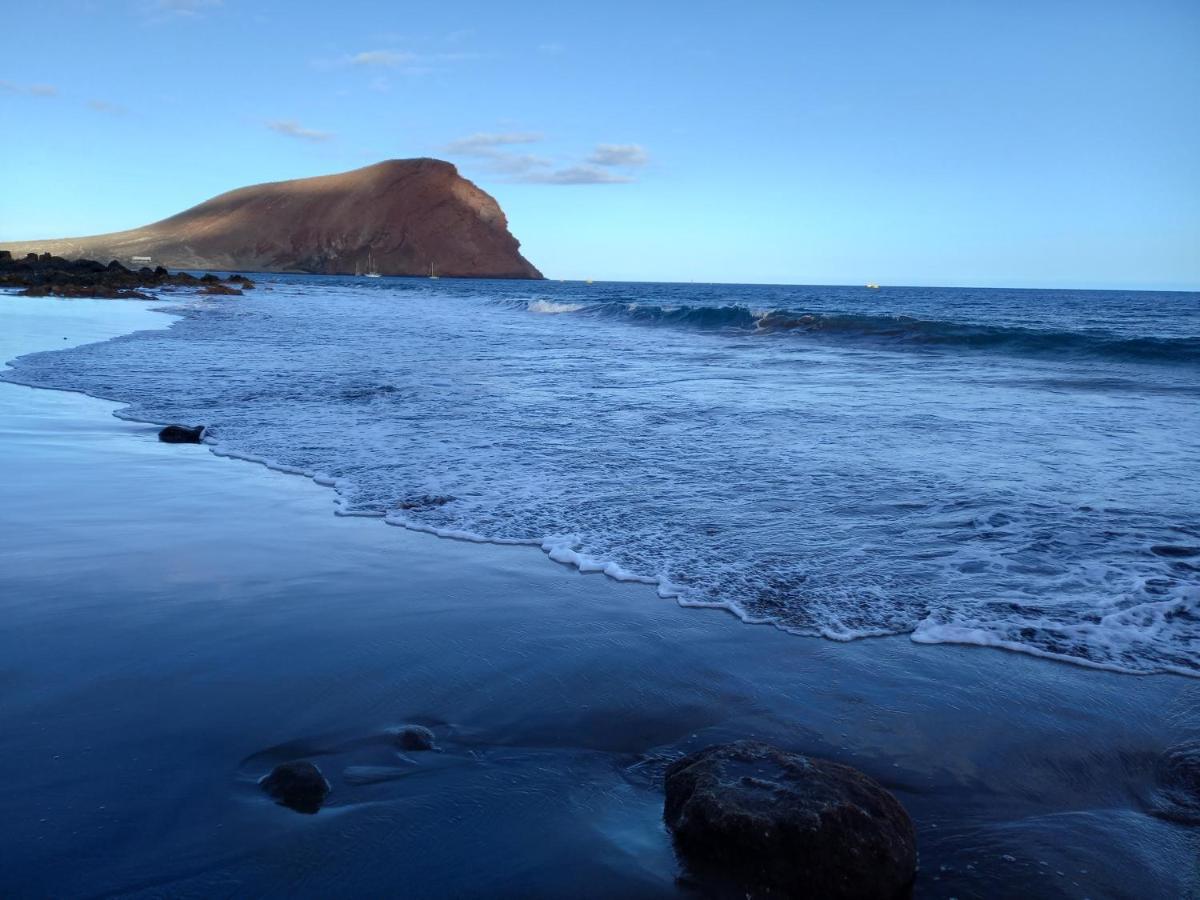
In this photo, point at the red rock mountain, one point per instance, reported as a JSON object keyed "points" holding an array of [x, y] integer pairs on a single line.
{"points": [[402, 217]]}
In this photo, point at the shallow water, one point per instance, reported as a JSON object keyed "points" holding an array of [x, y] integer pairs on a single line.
{"points": [[1008, 468], [177, 623]]}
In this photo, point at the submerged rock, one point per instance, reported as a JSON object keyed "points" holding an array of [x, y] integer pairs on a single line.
{"points": [[221, 289], [181, 434], [775, 822], [425, 501], [1176, 551], [414, 737], [1178, 795], [298, 785], [80, 291]]}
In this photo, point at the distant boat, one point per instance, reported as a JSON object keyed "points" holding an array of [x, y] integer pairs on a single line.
{"points": [[372, 272], [873, 287], [432, 274]]}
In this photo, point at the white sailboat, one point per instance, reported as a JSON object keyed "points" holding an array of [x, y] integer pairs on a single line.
{"points": [[372, 272], [432, 274]]}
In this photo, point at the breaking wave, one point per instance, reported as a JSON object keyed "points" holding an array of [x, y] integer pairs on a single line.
{"points": [[889, 330]]}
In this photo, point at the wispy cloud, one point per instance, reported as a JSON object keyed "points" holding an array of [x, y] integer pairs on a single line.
{"points": [[581, 174], [626, 155], [103, 106], [493, 150], [293, 129], [390, 58], [184, 8], [406, 61], [518, 164], [30, 90], [552, 48], [489, 144]]}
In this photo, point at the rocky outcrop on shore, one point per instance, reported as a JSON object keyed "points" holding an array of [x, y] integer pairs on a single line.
{"points": [[399, 217], [770, 822], [47, 275]]}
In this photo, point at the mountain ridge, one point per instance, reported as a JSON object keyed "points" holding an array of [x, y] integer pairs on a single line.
{"points": [[400, 217]]}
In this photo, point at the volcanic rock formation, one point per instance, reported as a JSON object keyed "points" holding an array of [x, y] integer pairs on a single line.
{"points": [[399, 217], [770, 822]]}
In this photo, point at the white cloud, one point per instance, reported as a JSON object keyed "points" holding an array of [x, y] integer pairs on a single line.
{"points": [[492, 150], [382, 58], [627, 155], [31, 90], [581, 174], [517, 163], [408, 62], [487, 144], [293, 129], [182, 7], [103, 106]]}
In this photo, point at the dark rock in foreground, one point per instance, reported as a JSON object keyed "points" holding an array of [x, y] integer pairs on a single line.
{"points": [[298, 785], [772, 822], [1178, 796], [414, 737], [181, 434]]}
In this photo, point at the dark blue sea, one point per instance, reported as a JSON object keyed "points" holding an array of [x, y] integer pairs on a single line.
{"points": [[1010, 468]]}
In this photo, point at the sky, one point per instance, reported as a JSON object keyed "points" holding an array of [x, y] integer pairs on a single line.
{"points": [[1015, 143]]}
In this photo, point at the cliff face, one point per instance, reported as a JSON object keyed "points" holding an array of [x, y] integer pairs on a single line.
{"points": [[403, 216]]}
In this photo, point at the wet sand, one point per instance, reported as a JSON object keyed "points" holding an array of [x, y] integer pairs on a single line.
{"points": [[177, 623]]}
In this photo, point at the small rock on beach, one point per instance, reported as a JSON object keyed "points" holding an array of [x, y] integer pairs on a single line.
{"points": [[181, 434], [298, 785], [414, 737]]}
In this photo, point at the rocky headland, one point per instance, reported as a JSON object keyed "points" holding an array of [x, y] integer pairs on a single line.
{"points": [[399, 217]]}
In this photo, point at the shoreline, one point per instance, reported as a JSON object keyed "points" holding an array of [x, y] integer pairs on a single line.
{"points": [[560, 551], [198, 620]]}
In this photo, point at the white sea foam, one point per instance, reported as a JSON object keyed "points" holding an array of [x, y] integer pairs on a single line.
{"points": [[550, 307]]}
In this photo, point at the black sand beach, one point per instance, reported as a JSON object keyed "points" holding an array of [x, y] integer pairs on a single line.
{"points": [[178, 623]]}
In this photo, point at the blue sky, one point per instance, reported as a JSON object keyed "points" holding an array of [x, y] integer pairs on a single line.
{"points": [[1043, 144]]}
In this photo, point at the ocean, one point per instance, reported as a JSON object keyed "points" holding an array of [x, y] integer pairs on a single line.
{"points": [[1008, 468]]}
